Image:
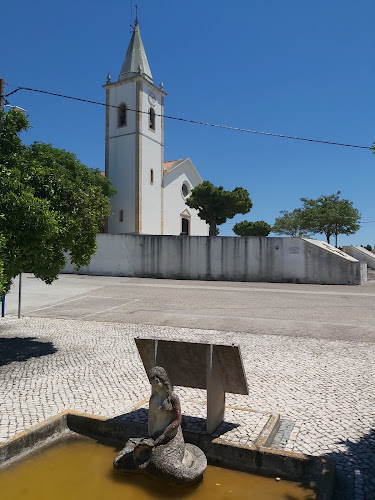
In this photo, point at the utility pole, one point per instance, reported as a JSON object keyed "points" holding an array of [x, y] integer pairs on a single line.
{"points": [[2, 91], [19, 295]]}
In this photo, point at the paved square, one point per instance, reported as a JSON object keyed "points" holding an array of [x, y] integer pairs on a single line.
{"points": [[324, 390]]}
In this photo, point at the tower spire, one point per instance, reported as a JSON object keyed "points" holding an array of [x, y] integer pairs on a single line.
{"points": [[135, 61]]}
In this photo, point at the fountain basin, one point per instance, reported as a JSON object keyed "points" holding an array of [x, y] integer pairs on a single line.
{"points": [[314, 472]]}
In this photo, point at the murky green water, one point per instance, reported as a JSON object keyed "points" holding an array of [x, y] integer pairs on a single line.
{"points": [[82, 469]]}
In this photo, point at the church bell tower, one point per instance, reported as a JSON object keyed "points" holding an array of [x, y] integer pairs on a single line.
{"points": [[134, 144]]}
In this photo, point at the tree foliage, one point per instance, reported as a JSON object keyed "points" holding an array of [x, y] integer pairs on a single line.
{"points": [[247, 228], [330, 216], [51, 204], [290, 223], [215, 205]]}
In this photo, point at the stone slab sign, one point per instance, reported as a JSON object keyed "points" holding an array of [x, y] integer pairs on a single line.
{"points": [[216, 368]]}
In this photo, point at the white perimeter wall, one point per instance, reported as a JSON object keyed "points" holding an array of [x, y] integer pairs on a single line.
{"points": [[361, 254], [224, 258]]}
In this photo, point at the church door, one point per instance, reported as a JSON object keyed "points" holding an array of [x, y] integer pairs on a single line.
{"points": [[185, 229]]}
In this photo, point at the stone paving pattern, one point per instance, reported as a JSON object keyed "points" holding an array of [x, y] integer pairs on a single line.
{"points": [[283, 435], [325, 388]]}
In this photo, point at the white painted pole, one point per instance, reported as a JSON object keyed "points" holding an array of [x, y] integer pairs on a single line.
{"points": [[19, 295]]}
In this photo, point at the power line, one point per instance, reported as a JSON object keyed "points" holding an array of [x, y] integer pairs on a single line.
{"points": [[13, 92], [195, 122]]}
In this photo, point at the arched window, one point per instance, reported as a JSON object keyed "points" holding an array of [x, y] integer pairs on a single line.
{"points": [[121, 115], [151, 176], [152, 119]]}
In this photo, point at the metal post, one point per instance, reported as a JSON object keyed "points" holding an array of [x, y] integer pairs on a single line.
{"points": [[2, 91], [19, 295], [2, 102]]}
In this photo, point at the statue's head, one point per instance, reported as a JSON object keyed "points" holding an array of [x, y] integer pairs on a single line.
{"points": [[158, 374]]}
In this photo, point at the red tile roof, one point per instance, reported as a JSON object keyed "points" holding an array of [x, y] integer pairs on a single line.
{"points": [[168, 164]]}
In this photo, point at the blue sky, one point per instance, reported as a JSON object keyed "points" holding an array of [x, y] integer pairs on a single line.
{"points": [[295, 67]]}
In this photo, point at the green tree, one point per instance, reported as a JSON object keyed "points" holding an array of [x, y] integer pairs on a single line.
{"points": [[368, 247], [290, 223], [215, 205], [51, 203], [330, 216], [247, 228]]}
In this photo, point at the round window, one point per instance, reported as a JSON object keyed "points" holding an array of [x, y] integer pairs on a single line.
{"points": [[185, 190]]}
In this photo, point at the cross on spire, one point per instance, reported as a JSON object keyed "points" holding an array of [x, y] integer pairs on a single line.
{"points": [[136, 13]]}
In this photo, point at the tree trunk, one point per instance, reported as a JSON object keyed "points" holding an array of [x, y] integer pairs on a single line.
{"points": [[328, 237], [212, 228]]}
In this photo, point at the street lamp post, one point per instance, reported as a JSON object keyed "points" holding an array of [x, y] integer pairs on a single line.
{"points": [[3, 102], [2, 97], [17, 108]]}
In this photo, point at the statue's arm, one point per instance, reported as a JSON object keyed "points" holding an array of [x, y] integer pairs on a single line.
{"points": [[175, 423]]}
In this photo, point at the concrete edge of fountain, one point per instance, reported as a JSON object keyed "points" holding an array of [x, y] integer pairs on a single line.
{"points": [[256, 459]]}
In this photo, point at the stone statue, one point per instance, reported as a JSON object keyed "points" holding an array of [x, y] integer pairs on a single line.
{"points": [[163, 454]]}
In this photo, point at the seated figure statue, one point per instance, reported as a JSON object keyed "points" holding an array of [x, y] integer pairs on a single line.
{"points": [[163, 454]]}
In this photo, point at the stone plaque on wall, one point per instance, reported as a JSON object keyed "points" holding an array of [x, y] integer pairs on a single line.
{"points": [[293, 250]]}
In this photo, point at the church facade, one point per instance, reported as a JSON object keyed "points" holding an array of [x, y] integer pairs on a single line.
{"points": [[151, 193]]}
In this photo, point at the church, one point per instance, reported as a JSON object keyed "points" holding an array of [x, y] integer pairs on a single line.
{"points": [[151, 193]]}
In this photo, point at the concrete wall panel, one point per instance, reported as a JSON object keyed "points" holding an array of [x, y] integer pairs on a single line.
{"points": [[291, 260], [361, 254]]}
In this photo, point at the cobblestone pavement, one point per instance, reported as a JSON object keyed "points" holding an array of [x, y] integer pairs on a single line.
{"points": [[324, 390]]}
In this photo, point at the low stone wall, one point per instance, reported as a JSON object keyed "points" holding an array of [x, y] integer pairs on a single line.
{"points": [[319, 471], [361, 254], [291, 260]]}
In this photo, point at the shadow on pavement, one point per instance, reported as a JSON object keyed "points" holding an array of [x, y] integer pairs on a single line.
{"points": [[23, 348], [355, 474]]}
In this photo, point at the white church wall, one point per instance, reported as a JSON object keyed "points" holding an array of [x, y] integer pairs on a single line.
{"points": [[122, 154], [174, 203], [151, 159], [117, 95], [198, 226], [223, 258], [154, 135], [151, 193], [121, 159]]}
